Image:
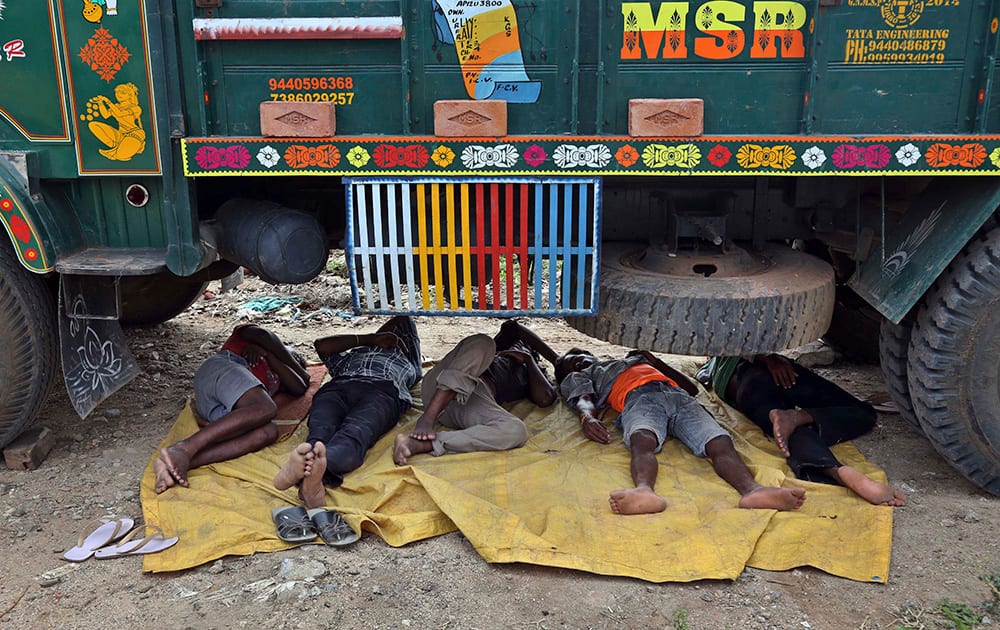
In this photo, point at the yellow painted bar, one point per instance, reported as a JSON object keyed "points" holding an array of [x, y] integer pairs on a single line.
{"points": [[421, 248], [466, 246], [452, 246]]}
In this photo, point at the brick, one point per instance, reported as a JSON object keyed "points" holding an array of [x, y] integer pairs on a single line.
{"points": [[457, 119], [284, 119], [29, 449], [654, 117]]}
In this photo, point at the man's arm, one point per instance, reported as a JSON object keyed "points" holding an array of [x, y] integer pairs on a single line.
{"points": [[335, 344], [265, 345], [681, 379], [519, 332], [593, 428], [541, 391]]}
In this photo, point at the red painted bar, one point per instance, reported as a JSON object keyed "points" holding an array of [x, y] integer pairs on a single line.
{"points": [[480, 245], [509, 247], [523, 257], [495, 241]]}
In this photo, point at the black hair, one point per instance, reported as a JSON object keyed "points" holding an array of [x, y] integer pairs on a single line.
{"points": [[560, 369]]}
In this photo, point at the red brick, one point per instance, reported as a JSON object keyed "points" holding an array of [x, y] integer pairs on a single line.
{"points": [[457, 119], [284, 119], [654, 117], [29, 449]]}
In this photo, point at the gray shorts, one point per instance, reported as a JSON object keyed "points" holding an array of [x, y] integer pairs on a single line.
{"points": [[220, 382], [668, 411]]}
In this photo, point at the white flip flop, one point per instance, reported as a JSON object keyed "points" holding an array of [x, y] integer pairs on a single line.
{"points": [[103, 535], [153, 543]]}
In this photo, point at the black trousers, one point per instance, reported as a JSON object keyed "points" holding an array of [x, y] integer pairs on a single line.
{"points": [[349, 416], [837, 415]]}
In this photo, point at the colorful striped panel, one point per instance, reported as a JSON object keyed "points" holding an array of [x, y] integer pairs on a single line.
{"points": [[515, 246]]}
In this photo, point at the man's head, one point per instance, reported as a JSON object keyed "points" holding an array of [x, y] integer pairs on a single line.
{"points": [[574, 360]]}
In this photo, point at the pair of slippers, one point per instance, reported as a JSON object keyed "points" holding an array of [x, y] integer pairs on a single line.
{"points": [[297, 525], [98, 543]]}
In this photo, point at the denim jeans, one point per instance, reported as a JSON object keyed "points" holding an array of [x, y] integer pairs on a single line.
{"points": [[349, 416]]}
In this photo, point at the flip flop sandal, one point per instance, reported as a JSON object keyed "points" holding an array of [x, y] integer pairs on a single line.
{"points": [[332, 527], [105, 534], [153, 543], [293, 524]]}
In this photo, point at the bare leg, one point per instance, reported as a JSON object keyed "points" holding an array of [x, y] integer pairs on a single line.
{"points": [[867, 488], [424, 429], [219, 440], [784, 423], [730, 467], [312, 490], [406, 446], [298, 466], [641, 499]]}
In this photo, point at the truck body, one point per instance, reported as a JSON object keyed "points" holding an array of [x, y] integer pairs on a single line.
{"points": [[705, 178]]}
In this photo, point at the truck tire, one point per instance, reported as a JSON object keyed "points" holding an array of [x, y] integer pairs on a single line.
{"points": [[152, 300], [893, 350], [953, 370], [28, 345], [787, 305]]}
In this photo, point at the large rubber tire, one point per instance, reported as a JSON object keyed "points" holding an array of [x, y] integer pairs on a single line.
{"points": [[28, 345], [893, 349], [151, 300], [788, 305], [954, 362]]}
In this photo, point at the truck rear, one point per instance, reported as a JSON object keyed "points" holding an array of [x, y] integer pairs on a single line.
{"points": [[691, 177]]}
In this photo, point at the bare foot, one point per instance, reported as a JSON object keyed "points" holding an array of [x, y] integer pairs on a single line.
{"points": [[784, 423], [868, 489], [164, 479], [768, 498], [424, 430], [176, 460], [636, 501], [406, 446], [312, 490], [297, 467]]}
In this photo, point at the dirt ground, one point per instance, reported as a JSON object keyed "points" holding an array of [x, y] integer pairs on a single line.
{"points": [[946, 545]]}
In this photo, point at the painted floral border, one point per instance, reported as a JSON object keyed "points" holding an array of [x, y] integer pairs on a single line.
{"points": [[22, 232], [611, 156]]}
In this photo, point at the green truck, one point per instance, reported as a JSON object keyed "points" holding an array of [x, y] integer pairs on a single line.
{"points": [[694, 177]]}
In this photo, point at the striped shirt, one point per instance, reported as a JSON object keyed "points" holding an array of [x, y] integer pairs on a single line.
{"points": [[400, 366]]}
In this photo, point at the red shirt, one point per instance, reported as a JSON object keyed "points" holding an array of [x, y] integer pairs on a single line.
{"points": [[262, 369]]}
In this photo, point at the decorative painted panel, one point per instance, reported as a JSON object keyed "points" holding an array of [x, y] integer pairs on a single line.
{"points": [[502, 246]]}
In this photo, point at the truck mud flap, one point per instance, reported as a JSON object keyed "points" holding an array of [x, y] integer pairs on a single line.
{"points": [[923, 242], [506, 246], [95, 356]]}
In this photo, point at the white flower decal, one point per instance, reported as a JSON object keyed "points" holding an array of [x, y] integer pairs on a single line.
{"points": [[572, 156], [813, 157], [268, 156], [477, 156], [908, 154]]}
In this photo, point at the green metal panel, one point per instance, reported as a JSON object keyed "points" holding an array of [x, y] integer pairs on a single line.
{"points": [[897, 68], [923, 242]]}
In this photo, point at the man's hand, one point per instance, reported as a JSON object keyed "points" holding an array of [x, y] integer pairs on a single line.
{"points": [[386, 339], [594, 429], [254, 353], [518, 355], [782, 370]]}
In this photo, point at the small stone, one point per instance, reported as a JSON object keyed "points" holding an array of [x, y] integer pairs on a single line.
{"points": [[216, 568], [708, 597], [376, 590], [47, 582], [145, 587], [947, 522], [112, 413]]}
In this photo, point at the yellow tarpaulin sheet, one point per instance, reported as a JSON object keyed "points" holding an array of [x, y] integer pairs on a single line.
{"points": [[545, 503]]}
